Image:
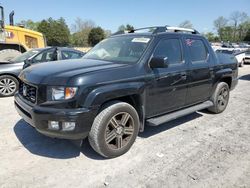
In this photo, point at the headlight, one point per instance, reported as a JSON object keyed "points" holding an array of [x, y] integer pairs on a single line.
{"points": [[61, 93]]}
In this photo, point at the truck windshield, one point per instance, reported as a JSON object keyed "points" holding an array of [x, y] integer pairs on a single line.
{"points": [[124, 49], [24, 56]]}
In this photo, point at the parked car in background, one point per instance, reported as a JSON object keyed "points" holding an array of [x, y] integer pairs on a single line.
{"points": [[9, 71], [247, 57], [238, 54]]}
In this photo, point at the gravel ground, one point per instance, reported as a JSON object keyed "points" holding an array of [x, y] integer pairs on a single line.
{"points": [[199, 150]]}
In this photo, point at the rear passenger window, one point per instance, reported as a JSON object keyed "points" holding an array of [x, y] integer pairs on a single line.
{"points": [[170, 48], [198, 51], [70, 55]]}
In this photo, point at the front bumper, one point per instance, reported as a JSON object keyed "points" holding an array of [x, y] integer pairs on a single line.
{"points": [[38, 117]]}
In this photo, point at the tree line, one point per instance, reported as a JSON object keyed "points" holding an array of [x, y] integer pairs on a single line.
{"points": [[84, 33], [235, 28]]}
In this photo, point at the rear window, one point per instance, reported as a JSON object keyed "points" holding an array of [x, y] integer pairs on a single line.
{"points": [[197, 49]]}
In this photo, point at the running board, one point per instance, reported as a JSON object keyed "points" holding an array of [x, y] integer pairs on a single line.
{"points": [[174, 115]]}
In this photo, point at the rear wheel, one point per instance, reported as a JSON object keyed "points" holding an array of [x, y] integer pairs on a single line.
{"points": [[114, 130], [8, 85], [220, 98]]}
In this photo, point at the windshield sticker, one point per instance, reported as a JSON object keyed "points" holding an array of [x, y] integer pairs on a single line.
{"points": [[143, 40], [189, 42]]}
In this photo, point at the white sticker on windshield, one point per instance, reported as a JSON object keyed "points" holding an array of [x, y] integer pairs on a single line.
{"points": [[143, 40]]}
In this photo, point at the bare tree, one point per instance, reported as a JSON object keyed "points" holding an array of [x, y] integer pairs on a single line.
{"points": [[186, 24], [81, 25], [237, 18], [80, 32], [220, 23]]}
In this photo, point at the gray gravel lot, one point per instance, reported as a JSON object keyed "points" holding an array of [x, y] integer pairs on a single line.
{"points": [[199, 150]]}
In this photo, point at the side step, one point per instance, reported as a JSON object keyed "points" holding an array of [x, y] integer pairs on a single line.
{"points": [[174, 115]]}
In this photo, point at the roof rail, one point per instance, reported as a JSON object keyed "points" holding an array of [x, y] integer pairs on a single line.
{"points": [[159, 29], [180, 29]]}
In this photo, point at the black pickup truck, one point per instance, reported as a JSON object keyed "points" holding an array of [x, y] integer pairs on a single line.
{"points": [[125, 82]]}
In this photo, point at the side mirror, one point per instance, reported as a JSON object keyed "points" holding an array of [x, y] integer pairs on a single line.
{"points": [[27, 63], [158, 62]]}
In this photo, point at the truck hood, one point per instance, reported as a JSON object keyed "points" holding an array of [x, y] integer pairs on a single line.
{"points": [[60, 72]]}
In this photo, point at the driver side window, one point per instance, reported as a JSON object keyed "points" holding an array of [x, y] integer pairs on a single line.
{"points": [[47, 55], [170, 48]]}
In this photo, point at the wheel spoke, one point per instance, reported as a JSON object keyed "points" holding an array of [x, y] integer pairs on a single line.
{"points": [[5, 81], [119, 142], [225, 94], [114, 122], [1, 89], [11, 89], [4, 91], [7, 91], [128, 131], [111, 136], [1, 83], [125, 118], [12, 84]]}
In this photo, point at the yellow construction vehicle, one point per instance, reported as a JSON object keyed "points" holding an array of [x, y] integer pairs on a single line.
{"points": [[15, 40]]}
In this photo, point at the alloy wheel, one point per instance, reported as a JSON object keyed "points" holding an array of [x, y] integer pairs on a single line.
{"points": [[119, 130], [7, 86], [223, 97]]}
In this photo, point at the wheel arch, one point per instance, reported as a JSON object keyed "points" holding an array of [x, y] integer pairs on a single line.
{"points": [[9, 74], [132, 94]]}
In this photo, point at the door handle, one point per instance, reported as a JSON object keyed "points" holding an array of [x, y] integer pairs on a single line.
{"points": [[183, 77]]}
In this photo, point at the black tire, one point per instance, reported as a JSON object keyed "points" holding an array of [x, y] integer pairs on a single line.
{"points": [[103, 129], [8, 85], [220, 98]]}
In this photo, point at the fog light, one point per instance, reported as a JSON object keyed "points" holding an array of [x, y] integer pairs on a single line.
{"points": [[53, 125], [68, 126]]}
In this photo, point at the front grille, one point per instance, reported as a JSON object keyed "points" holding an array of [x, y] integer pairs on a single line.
{"points": [[28, 92]]}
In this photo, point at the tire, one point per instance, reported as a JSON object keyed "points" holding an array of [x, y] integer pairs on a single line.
{"points": [[8, 54], [220, 98], [114, 129], [8, 85]]}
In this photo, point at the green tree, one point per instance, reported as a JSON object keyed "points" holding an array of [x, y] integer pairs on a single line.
{"points": [[227, 33], [186, 24], [127, 27], [220, 23], [96, 35], [247, 37], [237, 18], [211, 37], [29, 24], [56, 31]]}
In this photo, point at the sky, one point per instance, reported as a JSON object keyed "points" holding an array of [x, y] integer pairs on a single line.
{"points": [[110, 14]]}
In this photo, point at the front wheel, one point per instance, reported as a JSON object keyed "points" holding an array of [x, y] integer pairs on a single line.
{"points": [[114, 129], [8, 85], [220, 98]]}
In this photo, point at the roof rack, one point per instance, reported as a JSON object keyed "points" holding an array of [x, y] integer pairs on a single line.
{"points": [[160, 29]]}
